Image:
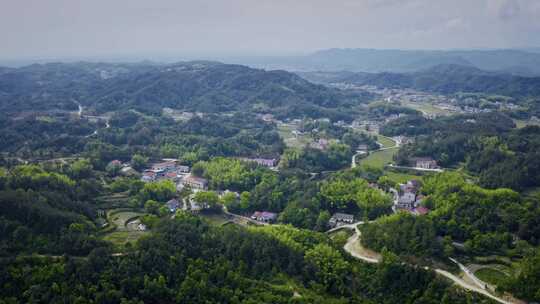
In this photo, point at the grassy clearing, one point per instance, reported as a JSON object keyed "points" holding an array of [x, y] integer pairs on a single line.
{"points": [[285, 132], [401, 178], [215, 219], [491, 276], [379, 159]]}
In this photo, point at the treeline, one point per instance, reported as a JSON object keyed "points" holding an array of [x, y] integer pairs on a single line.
{"points": [[186, 261]]}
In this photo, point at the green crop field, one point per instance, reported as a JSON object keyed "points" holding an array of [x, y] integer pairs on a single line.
{"points": [[401, 178], [379, 159]]}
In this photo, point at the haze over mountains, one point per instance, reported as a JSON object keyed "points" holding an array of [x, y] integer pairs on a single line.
{"points": [[520, 62]]}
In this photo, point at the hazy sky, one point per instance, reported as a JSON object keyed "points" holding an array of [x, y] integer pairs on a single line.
{"points": [[49, 28]]}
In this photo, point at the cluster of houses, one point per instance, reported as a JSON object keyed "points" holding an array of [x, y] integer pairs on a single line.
{"points": [[189, 205], [409, 198], [340, 219], [168, 169], [179, 174]]}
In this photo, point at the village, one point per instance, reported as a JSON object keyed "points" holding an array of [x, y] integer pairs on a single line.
{"points": [[406, 198]]}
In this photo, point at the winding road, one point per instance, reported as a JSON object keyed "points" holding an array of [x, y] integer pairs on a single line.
{"points": [[349, 248], [80, 114]]}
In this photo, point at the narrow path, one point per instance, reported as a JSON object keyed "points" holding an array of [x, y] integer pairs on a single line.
{"points": [[349, 248]]}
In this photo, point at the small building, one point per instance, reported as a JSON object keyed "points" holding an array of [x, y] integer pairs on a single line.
{"points": [[115, 162], [195, 182], [171, 175], [426, 163], [411, 186], [164, 166], [173, 205], [223, 193], [182, 169], [264, 216], [195, 207], [148, 176], [339, 219], [406, 201], [266, 162]]}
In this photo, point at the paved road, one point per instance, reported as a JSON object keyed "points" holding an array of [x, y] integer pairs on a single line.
{"points": [[349, 247], [353, 160]]}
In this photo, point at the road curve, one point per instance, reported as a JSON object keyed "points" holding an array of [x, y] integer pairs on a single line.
{"points": [[456, 280], [353, 159]]}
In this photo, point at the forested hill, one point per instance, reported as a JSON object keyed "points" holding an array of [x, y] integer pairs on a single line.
{"points": [[195, 86], [445, 79]]}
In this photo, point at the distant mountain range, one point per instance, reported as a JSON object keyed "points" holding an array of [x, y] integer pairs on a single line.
{"points": [[446, 79], [194, 86], [524, 62]]}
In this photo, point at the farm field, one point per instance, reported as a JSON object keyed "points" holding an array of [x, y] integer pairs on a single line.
{"points": [[126, 226], [401, 178], [426, 108], [379, 159]]}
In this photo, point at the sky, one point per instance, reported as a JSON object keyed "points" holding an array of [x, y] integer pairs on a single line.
{"points": [[75, 28]]}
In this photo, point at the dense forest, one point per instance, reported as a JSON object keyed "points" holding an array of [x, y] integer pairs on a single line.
{"points": [[187, 261], [194, 86], [485, 144]]}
